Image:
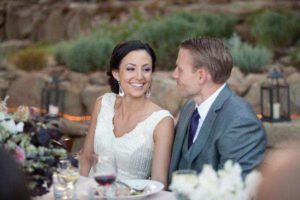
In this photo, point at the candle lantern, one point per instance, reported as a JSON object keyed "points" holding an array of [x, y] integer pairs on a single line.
{"points": [[53, 98], [275, 98]]}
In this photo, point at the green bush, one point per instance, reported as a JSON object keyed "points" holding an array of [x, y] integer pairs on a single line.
{"points": [[248, 58], [166, 34], [60, 52], [275, 28], [295, 57], [89, 54], [30, 59], [217, 25], [119, 32]]}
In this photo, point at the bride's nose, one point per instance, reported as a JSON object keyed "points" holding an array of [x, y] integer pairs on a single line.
{"points": [[139, 74]]}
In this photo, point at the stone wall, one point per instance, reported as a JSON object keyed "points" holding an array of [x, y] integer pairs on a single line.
{"points": [[56, 20], [83, 89]]}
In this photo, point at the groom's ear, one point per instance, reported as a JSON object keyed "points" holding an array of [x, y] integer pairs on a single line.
{"points": [[115, 74], [203, 75]]}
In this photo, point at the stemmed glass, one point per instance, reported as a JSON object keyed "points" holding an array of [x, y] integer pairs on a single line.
{"points": [[186, 175], [105, 172], [68, 175]]}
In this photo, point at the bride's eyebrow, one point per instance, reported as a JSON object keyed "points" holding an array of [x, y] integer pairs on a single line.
{"points": [[131, 64]]}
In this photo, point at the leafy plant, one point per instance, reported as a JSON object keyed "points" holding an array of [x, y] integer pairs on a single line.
{"points": [[60, 52], [30, 59], [275, 28], [248, 58], [217, 25], [295, 57], [90, 54], [166, 34]]}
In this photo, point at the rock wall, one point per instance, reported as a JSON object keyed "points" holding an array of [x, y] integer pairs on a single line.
{"points": [[81, 90], [55, 20]]}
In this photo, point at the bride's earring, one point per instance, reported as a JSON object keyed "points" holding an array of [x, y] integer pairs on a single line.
{"points": [[148, 93], [121, 91]]}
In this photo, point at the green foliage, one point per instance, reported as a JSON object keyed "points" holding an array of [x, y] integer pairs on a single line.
{"points": [[90, 54], [30, 59], [275, 28], [217, 25], [166, 34], [119, 32], [248, 58], [295, 57], [60, 52]]}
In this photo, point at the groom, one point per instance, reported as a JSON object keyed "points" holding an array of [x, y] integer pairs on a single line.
{"points": [[215, 125]]}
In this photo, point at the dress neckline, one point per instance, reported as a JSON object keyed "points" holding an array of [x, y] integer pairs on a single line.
{"points": [[135, 127]]}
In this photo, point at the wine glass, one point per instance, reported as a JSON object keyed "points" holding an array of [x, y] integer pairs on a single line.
{"points": [[68, 175], [105, 172]]}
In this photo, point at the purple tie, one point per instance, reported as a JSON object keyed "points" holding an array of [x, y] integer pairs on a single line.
{"points": [[193, 127]]}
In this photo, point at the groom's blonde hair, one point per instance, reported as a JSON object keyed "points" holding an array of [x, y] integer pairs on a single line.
{"points": [[210, 53]]}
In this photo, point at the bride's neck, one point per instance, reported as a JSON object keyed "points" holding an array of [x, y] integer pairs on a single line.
{"points": [[128, 106]]}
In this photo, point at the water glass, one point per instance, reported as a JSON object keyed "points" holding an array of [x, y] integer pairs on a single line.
{"points": [[186, 175]]}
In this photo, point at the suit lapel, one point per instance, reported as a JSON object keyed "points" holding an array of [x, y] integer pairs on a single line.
{"points": [[181, 131], [208, 123]]}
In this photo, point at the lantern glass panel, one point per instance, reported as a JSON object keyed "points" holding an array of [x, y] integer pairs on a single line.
{"points": [[266, 111]]}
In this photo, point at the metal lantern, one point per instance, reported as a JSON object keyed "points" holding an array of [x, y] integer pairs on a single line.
{"points": [[275, 98], [53, 97]]}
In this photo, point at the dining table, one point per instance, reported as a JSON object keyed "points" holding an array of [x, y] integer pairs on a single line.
{"points": [[84, 183]]}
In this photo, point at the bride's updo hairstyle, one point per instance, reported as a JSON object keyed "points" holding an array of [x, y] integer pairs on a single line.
{"points": [[119, 52]]}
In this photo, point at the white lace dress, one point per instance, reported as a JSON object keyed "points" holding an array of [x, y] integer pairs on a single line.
{"points": [[133, 151]]}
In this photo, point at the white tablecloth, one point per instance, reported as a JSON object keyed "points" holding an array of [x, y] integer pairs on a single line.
{"points": [[82, 188]]}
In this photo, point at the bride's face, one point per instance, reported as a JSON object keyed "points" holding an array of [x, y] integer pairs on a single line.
{"points": [[135, 73]]}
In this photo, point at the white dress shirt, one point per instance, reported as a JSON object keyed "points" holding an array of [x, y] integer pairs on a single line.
{"points": [[204, 107]]}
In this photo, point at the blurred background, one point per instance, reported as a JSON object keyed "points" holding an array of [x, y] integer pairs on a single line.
{"points": [[66, 45]]}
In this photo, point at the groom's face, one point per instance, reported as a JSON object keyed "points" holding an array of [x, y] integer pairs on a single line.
{"points": [[185, 74]]}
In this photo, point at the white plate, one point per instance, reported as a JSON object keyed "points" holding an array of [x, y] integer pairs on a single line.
{"points": [[153, 187]]}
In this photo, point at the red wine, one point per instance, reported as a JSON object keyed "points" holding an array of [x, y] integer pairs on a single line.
{"points": [[105, 179]]}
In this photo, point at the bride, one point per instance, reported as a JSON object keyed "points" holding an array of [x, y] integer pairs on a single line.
{"points": [[127, 123]]}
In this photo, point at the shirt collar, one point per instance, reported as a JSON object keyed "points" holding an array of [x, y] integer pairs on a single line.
{"points": [[204, 107]]}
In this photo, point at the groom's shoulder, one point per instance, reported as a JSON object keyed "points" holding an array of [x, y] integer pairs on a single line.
{"points": [[187, 107], [189, 103]]}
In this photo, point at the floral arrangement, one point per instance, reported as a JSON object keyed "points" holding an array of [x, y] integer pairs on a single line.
{"points": [[33, 141], [225, 184]]}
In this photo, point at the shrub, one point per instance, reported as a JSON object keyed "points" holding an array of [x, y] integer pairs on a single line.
{"points": [[166, 34], [60, 52], [89, 54], [295, 57], [275, 28], [30, 59], [248, 58], [217, 25]]}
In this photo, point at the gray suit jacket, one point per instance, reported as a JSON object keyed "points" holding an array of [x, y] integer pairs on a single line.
{"points": [[230, 130]]}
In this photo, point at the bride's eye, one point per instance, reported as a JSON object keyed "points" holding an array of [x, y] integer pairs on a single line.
{"points": [[129, 69], [147, 69]]}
